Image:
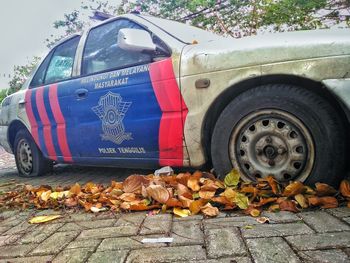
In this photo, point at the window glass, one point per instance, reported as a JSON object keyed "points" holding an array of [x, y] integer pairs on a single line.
{"points": [[38, 79], [61, 64], [101, 51]]}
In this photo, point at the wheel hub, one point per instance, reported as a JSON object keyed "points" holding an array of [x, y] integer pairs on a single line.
{"points": [[25, 158], [272, 142]]}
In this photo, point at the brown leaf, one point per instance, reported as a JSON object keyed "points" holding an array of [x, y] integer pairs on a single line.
{"points": [[128, 197], [324, 189], [264, 201], [206, 194], [158, 193], [293, 189], [221, 200], [173, 202], [328, 202], [193, 183], [288, 205], [182, 178], [133, 183], [75, 189], [182, 190], [273, 184], [345, 188], [210, 210], [195, 206], [70, 202]]}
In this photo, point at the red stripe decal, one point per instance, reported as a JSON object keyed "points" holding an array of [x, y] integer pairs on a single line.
{"points": [[174, 112], [61, 124], [46, 123], [31, 118]]}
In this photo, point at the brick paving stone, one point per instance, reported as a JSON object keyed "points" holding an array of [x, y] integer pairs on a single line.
{"points": [[323, 222], [271, 230], [115, 231], [347, 251], [54, 243], [4, 214], [84, 243], [8, 239], [108, 256], [281, 217], [324, 256], [127, 243], [339, 211], [14, 220], [188, 218], [23, 227], [15, 250], [131, 219], [40, 233], [224, 242], [167, 254], [3, 229], [158, 224], [83, 216], [222, 260], [82, 225], [36, 259], [347, 219], [76, 255], [239, 221], [187, 233], [272, 249], [320, 241]]}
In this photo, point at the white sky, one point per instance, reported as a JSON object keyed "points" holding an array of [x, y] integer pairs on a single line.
{"points": [[24, 26]]}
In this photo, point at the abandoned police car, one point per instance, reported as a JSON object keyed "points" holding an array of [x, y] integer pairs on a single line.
{"points": [[139, 91]]}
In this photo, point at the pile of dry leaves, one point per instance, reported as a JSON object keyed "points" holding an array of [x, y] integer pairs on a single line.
{"points": [[184, 194]]}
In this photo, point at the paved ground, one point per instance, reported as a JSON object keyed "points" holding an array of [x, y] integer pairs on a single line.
{"points": [[311, 236]]}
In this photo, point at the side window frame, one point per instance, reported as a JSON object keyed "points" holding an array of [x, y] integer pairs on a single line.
{"points": [[121, 67], [50, 55]]}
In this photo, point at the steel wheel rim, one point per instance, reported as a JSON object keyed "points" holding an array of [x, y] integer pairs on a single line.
{"points": [[24, 157], [272, 142]]}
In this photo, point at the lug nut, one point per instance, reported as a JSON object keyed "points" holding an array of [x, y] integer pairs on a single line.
{"points": [[271, 162], [281, 150], [268, 139]]}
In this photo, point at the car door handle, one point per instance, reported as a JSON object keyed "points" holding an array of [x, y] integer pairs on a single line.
{"points": [[81, 94], [21, 102]]}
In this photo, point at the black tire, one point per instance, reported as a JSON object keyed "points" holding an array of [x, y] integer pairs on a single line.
{"points": [[32, 162], [324, 124]]}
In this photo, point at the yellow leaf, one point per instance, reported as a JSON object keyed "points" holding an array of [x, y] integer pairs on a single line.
{"points": [[43, 219], [302, 201], [241, 200], [56, 195], [230, 194], [254, 212], [232, 178], [45, 195], [181, 212]]}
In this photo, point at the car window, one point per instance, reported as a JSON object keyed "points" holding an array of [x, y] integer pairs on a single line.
{"points": [[61, 63], [102, 53], [39, 76]]}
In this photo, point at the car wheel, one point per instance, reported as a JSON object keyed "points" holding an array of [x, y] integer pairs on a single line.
{"points": [[280, 130], [29, 160]]}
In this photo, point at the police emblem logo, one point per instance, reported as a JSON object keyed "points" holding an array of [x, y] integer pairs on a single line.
{"points": [[111, 109]]}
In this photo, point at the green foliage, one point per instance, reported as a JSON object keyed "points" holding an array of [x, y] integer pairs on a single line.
{"points": [[2, 94], [21, 73]]}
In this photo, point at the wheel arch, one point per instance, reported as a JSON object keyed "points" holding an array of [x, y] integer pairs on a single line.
{"points": [[233, 91], [14, 127]]}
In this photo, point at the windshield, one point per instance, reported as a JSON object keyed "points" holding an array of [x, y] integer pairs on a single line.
{"points": [[184, 33]]}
